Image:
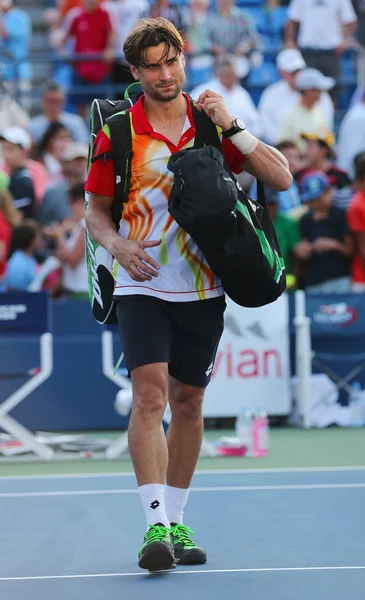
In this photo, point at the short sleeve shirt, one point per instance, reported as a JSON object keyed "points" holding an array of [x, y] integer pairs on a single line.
{"points": [[184, 273]]}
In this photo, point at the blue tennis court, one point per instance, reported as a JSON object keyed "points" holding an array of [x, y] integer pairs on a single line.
{"points": [[280, 534]]}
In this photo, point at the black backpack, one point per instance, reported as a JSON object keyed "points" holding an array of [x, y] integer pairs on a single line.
{"points": [[116, 115], [234, 232]]}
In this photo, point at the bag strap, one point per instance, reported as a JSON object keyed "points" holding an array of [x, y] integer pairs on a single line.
{"points": [[206, 131], [121, 142]]}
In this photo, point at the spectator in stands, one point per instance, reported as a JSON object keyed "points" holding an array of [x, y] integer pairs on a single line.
{"points": [[16, 143], [9, 218], [287, 230], [359, 6], [324, 30], [123, 15], [319, 156], [288, 201], [70, 250], [201, 62], [93, 35], [15, 35], [239, 102], [53, 102], [356, 221], [55, 207], [278, 98], [351, 136], [232, 31], [52, 147], [168, 10], [306, 115], [326, 247], [22, 265]]}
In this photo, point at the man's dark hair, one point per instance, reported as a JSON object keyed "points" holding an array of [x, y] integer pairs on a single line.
{"points": [[286, 145], [76, 192], [23, 236], [359, 163], [54, 87], [147, 33]]}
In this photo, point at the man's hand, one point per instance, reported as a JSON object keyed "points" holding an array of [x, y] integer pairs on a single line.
{"points": [[323, 244], [132, 257], [215, 107]]}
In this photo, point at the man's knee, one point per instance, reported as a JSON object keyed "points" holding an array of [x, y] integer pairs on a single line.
{"points": [[150, 389], [186, 400]]}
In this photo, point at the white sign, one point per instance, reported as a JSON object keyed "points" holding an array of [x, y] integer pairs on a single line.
{"points": [[252, 366]]}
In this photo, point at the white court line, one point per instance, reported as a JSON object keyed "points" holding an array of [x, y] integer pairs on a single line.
{"points": [[197, 472], [185, 572], [228, 488]]}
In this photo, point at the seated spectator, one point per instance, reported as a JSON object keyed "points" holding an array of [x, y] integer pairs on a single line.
{"points": [[71, 250], [356, 221], [289, 200], [239, 102], [306, 115], [233, 31], [16, 143], [15, 35], [55, 207], [123, 14], [200, 62], [167, 10], [351, 138], [52, 147], [53, 101], [22, 265], [287, 231], [278, 98], [319, 156], [326, 247], [93, 34], [9, 218]]}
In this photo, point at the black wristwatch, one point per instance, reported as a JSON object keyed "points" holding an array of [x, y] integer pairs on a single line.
{"points": [[237, 126]]}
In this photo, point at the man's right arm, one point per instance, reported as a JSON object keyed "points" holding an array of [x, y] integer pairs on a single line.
{"points": [[99, 222]]}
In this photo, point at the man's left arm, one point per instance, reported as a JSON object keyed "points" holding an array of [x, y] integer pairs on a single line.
{"points": [[262, 161]]}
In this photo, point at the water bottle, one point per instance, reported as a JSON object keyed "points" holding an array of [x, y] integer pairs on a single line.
{"points": [[260, 433], [244, 429], [356, 407]]}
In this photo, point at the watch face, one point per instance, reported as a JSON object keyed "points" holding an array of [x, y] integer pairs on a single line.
{"points": [[239, 124]]}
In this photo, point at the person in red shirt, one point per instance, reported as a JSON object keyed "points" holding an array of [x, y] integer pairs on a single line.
{"points": [[356, 221], [93, 34], [9, 217]]}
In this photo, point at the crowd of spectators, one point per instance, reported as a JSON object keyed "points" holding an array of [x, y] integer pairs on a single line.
{"points": [[320, 220]]}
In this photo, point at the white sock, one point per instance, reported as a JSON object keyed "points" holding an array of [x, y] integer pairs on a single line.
{"points": [[153, 501], [175, 500]]}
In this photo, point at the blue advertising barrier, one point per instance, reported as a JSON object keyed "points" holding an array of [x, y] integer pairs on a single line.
{"points": [[337, 334]]}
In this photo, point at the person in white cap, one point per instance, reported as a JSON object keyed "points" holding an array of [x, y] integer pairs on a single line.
{"points": [[279, 97], [16, 143], [306, 115]]}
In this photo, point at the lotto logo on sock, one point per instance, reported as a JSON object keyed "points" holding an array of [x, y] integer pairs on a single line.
{"points": [[155, 504]]}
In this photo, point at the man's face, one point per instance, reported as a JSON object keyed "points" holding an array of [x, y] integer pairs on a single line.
{"points": [[161, 78], [75, 168], [14, 155], [292, 155], [289, 77], [228, 76], [312, 96], [314, 152], [53, 102]]}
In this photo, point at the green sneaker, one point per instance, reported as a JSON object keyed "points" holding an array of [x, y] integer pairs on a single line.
{"points": [[157, 552], [186, 552]]}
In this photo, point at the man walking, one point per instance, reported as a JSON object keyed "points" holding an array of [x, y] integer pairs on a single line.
{"points": [[170, 305]]}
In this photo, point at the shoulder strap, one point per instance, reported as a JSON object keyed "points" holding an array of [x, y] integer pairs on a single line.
{"points": [[121, 142], [206, 131]]}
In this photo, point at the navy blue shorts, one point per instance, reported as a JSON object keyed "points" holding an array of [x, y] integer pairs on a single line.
{"points": [[183, 334]]}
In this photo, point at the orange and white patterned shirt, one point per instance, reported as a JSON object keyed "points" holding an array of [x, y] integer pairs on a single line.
{"points": [[184, 274]]}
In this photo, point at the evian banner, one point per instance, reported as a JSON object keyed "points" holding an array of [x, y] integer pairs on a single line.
{"points": [[252, 364]]}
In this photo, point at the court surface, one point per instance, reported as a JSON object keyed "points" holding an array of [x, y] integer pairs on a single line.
{"points": [[295, 534]]}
